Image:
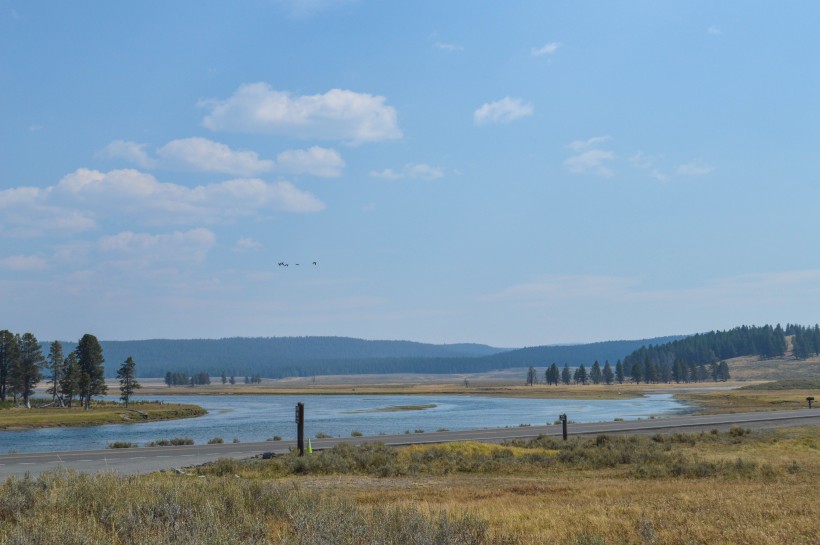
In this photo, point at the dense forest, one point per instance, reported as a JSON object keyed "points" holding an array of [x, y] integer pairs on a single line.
{"points": [[279, 357], [702, 356]]}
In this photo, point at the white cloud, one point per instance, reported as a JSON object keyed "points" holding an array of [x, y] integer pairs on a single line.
{"points": [[79, 199], [143, 249], [418, 171], [353, 118], [580, 145], [590, 161], [451, 48], [23, 263], [132, 152], [547, 49], [316, 161], [645, 162], [245, 244], [505, 110], [205, 155], [25, 211], [714, 31], [694, 168]]}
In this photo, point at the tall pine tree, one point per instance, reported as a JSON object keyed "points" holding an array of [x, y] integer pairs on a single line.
{"points": [[127, 373], [92, 374], [25, 373]]}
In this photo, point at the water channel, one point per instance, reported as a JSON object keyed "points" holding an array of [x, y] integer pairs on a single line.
{"points": [[258, 418]]}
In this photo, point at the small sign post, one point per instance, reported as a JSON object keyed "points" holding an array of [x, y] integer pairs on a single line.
{"points": [[300, 428], [563, 419], [810, 399]]}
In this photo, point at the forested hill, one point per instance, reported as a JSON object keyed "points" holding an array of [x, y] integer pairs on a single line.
{"points": [[706, 348], [279, 357]]}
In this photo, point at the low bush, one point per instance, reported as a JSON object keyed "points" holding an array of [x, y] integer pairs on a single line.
{"points": [[216, 441], [122, 444], [175, 442]]}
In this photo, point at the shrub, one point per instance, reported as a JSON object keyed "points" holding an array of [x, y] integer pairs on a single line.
{"points": [[355, 433], [122, 444], [175, 442], [216, 441], [321, 435]]}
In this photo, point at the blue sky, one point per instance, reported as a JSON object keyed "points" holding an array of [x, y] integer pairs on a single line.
{"points": [[516, 173]]}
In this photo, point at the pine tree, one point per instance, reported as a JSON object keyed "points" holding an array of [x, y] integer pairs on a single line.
{"points": [[553, 375], [55, 365], [607, 373], [595, 374], [25, 373], [92, 374], [565, 374], [531, 376], [583, 377], [224, 378], [9, 352], [619, 372], [70, 382], [128, 379], [637, 372]]}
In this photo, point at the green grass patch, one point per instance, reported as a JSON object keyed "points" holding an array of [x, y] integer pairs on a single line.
{"points": [[100, 413], [790, 384]]}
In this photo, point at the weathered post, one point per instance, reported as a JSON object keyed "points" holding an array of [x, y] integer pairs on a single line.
{"points": [[563, 419], [810, 399], [300, 428]]}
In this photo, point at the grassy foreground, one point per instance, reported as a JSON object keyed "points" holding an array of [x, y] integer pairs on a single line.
{"points": [[99, 413], [679, 489]]}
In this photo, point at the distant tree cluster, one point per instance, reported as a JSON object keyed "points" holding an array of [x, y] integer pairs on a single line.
{"points": [[253, 379], [79, 376], [181, 378]]}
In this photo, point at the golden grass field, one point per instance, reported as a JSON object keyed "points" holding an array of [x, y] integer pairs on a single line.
{"points": [[734, 488]]}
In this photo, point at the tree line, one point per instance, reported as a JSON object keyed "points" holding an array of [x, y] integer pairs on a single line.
{"points": [[646, 372], [80, 375], [181, 378]]}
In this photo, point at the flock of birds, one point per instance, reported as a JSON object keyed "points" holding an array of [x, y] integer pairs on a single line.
{"points": [[284, 264]]}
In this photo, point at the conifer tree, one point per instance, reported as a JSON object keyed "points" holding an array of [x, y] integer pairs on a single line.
{"points": [[90, 363], [565, 374], [9, 351], [55, 364], [25, 373], [608, 375], [619, 372], [70, 383], [595, 374], [128, 379]]}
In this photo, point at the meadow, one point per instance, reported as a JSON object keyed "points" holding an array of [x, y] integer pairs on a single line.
{"points": [[735, 487]]}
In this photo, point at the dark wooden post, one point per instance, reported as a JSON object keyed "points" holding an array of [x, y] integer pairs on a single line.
{"points": [[300, 428], [563, 419], [810, 399]]}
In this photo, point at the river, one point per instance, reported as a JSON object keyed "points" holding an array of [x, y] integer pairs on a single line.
{"points": [[258, 418]]}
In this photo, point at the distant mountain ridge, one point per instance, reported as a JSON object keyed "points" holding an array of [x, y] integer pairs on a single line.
{"points": [[279, 357]]}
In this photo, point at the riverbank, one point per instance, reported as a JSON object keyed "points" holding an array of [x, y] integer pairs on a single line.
{"points": [[99, 414]]}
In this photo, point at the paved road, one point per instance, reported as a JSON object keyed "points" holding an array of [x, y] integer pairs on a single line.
{"points": [[146, 460]]}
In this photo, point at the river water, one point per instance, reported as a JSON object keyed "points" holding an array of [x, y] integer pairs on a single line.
{"points": [[257, 418]]}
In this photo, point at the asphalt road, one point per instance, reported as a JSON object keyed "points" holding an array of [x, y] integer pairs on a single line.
{"points": [[146, 460]]}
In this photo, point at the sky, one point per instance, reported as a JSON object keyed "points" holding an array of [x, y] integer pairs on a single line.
{"points": [[508, 173]]}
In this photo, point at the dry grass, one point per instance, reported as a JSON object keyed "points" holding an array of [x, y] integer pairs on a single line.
{"points": [[105, 413], [557, 497], [738, 401]]}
